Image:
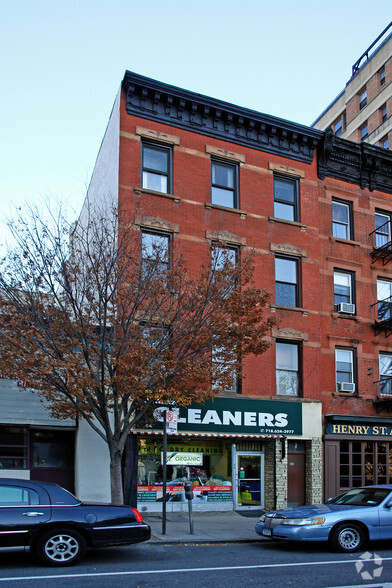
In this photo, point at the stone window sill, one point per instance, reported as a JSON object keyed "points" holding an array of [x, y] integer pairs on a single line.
{"points": [[274, 219], [210, 205], [274, 307], [154, 193]]}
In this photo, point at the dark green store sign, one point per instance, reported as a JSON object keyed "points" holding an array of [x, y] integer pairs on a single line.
{"points": [[241, 417]]}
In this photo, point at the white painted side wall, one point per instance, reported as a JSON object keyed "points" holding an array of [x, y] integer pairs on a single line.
{"points": [[92, 465], [312, 424], [103, 189]]}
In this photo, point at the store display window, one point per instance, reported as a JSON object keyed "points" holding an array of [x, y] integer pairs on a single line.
{"points": [[211, 479]]}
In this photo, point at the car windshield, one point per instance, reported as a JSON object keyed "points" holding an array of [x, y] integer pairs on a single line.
{"points": [[362, 497]]}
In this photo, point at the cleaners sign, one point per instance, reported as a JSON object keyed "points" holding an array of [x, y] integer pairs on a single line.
{"points": [[245, 416]]}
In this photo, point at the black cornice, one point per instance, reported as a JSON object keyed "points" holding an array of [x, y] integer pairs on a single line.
{"points": [[180, 108], [357, 163]]}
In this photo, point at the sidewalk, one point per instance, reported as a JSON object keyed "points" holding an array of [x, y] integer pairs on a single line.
{"points": [[208, 527]]}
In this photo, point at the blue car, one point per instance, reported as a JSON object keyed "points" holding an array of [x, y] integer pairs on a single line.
{"points": [[347, 522]]}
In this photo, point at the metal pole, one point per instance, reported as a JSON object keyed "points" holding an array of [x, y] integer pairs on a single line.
{"points": [[164, 474], [190, 516]]}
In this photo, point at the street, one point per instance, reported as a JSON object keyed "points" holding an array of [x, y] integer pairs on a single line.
{"points": [[271, 565]]}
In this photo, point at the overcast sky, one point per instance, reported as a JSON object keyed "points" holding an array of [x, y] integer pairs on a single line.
{"points": [[62, 63]]}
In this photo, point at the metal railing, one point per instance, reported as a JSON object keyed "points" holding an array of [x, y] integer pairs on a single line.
{"points": [[357, 64], [382, 243]]}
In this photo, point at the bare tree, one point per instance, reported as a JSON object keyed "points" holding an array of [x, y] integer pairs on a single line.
{"points": [[106, 327]]}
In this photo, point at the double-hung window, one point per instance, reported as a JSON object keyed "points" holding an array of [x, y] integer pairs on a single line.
{"points": [[223, 260], [364, 130], [342, 220], [384, 300], [224, 184], [345, 369], [222, 368], [286, 198], [287, 369], [383, 113], [385, 369], [155, 254], [156, 167], [338, 127], [383, 229], [286, 281], [384, 143], [343, 291], [382, 77], [362, 99]]}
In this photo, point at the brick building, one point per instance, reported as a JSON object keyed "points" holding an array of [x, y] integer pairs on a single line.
{"points": [[316, 210], [363, 110]]}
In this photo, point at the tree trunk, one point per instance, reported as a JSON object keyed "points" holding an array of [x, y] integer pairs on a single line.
{"points": [[116, 476]]}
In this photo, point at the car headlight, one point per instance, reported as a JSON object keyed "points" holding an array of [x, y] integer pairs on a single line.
{"points": [[262, 518], [303, 522]]}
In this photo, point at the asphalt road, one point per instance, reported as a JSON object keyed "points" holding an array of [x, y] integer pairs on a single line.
{"points": [[264, 564]]}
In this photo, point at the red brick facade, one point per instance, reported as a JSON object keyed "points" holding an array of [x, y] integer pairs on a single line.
{"points": [[357, 178]]}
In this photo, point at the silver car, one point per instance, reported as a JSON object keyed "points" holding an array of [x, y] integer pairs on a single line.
{"points": [[347, 522]]}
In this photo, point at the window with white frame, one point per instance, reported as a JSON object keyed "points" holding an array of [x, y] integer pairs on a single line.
{"points": [[384, 300], [385, 370], [341, 219], [344, 370], [223, 368], [155, 253], [286, 281], [223, 260], [156, 167], [287, 369], [224, 190], [383, 229], [286, 205], [343, 290]]}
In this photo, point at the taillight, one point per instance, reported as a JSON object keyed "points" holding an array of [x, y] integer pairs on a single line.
{"points": [[138, 516]]}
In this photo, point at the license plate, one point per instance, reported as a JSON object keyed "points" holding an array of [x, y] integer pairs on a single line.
{"points": [[267, 532]]}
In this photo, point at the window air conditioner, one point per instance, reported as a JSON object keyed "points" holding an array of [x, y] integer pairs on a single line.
{"points": [[346, 308], [346, 387]]}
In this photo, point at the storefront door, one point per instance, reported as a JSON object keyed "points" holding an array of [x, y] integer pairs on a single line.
{"points": [[249, 480]]}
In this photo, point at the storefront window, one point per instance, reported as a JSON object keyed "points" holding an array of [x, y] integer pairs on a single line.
{"points": [[211, 479], [51, 449], [13, 448], [365, 463]]}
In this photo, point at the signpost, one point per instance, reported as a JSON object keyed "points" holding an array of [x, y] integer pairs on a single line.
{"points": [[170, 420]]}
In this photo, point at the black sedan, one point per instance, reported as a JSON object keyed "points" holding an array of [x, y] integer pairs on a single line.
{"points": [[57, 527]]}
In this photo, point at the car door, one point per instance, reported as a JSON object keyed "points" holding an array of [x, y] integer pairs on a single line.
{"points": [[23, 508], [385, 512]]}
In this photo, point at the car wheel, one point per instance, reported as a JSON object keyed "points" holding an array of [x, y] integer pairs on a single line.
{"points": [[61, 547], [348, 537]]}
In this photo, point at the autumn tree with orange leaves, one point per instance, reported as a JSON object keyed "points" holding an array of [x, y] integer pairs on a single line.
{"points": [[105, 328]]}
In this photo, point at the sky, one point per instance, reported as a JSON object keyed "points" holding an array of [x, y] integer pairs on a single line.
{"points": [[62, 62]]}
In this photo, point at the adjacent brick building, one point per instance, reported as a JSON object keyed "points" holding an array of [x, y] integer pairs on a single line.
{"points": [[316, 211]]}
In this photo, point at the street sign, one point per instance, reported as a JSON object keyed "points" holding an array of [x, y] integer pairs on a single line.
{"points": [[172, 420]]}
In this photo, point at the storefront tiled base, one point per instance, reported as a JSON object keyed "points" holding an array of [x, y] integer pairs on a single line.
{"points": [[153, 507]]}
